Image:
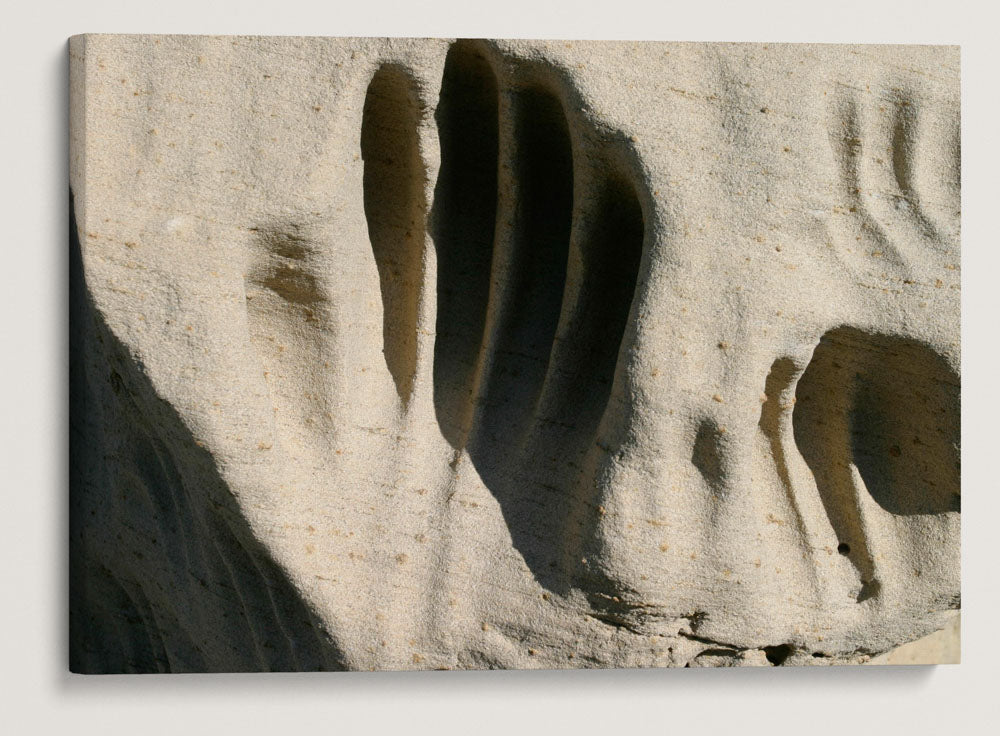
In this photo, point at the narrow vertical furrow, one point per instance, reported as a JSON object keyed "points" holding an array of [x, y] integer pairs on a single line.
{"points": [[531, 299], [849, 145], [902, 136], [772, 412], [394, 208], [463, 221], [609, 250], [906, 130], [775, 424], [602, 273], [821, 425]]}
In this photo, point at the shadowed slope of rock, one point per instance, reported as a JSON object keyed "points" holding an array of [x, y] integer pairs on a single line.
{"points": [[165, 575]]}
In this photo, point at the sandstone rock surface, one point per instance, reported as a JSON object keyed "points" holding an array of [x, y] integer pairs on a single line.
{"points": [[394, 353]]}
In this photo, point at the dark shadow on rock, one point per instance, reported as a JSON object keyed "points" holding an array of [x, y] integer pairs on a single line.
{"points": [[463, 220], [891, 407], [165, 574], [530, 319], [394, 208], [707, 453]]}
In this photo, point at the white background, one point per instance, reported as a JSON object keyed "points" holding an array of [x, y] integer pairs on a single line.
{"points": [[37, 694]]}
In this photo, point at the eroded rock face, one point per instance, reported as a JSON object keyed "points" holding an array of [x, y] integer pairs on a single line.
{"points": [[429, 354]]}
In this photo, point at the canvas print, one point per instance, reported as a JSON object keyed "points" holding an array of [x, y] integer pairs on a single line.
{"points": [[395, 354]]}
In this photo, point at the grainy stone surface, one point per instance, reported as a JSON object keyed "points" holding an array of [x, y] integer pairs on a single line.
{"points": [[394, 354]]}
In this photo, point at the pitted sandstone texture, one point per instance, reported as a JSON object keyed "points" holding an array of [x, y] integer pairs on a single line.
{"points": [[395, 354]]}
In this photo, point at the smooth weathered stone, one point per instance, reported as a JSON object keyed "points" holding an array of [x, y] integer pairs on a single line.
{"points": [[395, 354]]}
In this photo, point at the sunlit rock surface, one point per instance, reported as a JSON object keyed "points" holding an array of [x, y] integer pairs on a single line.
{"points": [[394, 354]]}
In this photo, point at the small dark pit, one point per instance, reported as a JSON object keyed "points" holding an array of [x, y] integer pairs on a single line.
{"points": [[777, 654]]}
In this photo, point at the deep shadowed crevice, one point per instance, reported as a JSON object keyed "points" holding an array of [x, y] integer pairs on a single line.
{"points": [[610, 253], [463, 221], [542, 216], [394, 207], [165, 574], [605, 256], [608, 243], [557, 307]]}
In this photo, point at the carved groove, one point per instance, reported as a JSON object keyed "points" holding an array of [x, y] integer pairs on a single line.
{"points": [[463, 223], [532, 309], [394, 207], [542, 217]]}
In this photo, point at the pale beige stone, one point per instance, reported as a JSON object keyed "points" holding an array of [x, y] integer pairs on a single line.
{"points": [[398, 353], [941, 647]]}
